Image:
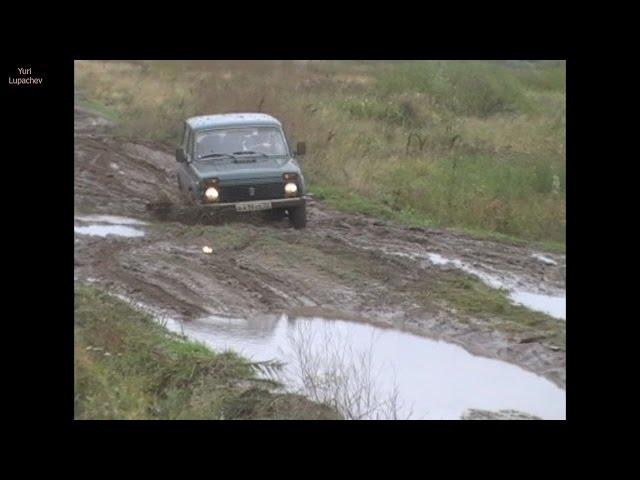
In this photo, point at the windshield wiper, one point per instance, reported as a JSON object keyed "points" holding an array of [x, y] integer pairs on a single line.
{"points": [[250, 152], [217, 155]]}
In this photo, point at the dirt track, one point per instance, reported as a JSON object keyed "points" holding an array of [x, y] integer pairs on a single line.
{"points": [[341, 266]]}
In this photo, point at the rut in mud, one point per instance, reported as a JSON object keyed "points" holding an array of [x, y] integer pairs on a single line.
{"points": [[341, 266]]}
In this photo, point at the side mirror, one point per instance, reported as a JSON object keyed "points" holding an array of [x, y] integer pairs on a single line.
{"points": [[301, 148], [180, 156]]}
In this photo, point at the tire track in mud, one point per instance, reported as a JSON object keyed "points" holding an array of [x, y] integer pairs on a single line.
{"points": [[341, 266], [517, 265], [102, 261]]}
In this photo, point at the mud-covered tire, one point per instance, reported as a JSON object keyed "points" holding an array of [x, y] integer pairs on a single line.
{"points": [[276, 214], [298, 216], [185, 196]]}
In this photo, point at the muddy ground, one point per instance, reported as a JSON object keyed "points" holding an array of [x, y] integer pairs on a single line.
{"points": [[341, 266]]}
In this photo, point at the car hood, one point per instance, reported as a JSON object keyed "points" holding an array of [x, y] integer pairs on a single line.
{"points": [[228, 170]]}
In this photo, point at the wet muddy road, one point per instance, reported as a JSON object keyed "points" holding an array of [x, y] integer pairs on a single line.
{"points": [[133, 237]]}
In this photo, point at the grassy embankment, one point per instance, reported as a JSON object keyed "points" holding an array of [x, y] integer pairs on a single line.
{"points": [[477, 146], [129, 367]]}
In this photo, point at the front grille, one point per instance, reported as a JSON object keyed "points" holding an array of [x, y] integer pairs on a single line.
{"points": [[242, 193]]}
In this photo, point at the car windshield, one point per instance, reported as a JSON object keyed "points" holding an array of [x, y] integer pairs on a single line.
{"points": [[236, 141]]}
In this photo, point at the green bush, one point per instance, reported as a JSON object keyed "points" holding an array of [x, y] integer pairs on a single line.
{"points": [[377, 109], [547, 77], [462, 87]]}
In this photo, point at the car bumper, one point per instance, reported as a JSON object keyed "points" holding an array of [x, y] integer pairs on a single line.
{"points": [[275, 203]]}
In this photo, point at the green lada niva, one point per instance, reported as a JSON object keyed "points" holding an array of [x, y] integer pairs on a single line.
{"points": [[241, 162]]}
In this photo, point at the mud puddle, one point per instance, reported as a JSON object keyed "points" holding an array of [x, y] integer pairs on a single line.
{"points": [[544, 259], [553, 306], [105, 230], [427, 379], [519, 291], [105, 225], [109, 219]]}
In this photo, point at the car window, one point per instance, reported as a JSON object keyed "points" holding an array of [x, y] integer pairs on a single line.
{"points": [[267, 140]]}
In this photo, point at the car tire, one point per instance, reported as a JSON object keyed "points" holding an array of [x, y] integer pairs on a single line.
{"points": [[185, 195], [276, 214], [298, 216]]}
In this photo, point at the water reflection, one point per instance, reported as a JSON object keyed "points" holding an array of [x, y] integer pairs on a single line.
{"points": [[434, 379]]}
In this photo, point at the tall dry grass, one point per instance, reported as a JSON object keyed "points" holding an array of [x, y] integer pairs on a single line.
{"points": [[479, 145], [331, 372]]}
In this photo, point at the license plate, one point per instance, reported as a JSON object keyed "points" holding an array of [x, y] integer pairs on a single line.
{"points": [[253, 206]]}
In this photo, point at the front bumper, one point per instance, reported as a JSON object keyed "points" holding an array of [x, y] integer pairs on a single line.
{"points": [[275, 203]]}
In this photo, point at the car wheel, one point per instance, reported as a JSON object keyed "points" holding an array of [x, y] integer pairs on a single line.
{"points": [[187, 197], [276, 214], [298, 216]]}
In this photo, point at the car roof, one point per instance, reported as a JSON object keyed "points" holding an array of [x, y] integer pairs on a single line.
{"points": [[231, 119]]}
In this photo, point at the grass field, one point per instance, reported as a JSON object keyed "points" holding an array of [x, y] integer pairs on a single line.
{"points": [[474, 145], [126, 366]]}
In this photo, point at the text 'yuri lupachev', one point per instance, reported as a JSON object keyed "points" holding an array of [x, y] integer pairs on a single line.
{"points": [[24, 78]]}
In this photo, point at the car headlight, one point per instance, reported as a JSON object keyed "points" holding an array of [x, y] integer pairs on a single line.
{"points": [[290, 188], [211, 194]]}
